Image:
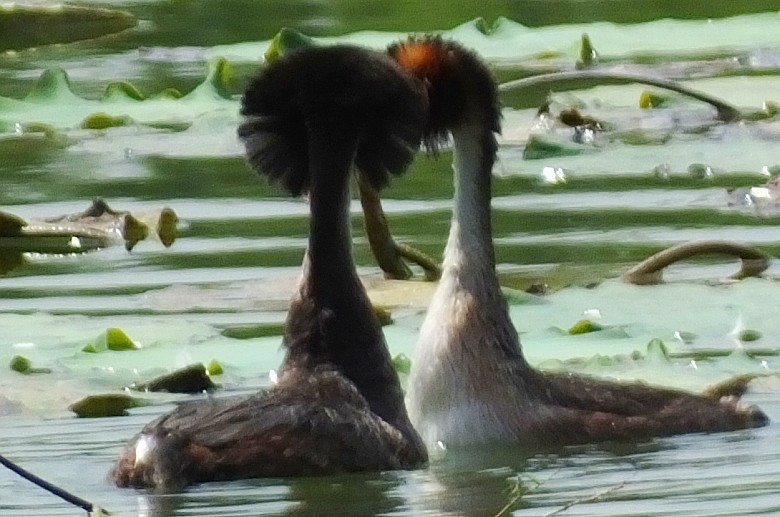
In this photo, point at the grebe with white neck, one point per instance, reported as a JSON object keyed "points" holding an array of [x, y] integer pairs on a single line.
{"points": [[311, 119], [470, 384]]}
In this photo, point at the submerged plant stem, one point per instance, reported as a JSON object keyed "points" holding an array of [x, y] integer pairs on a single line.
{"points": [[726, 112]]}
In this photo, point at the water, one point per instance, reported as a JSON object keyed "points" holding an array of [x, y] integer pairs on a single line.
{"points": [[240, 243]]}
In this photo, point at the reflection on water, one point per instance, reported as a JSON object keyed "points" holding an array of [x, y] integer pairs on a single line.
{"points": [[721, 474]]}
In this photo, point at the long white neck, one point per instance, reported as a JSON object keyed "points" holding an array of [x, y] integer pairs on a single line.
{"points": [[467, 347], [469, 256]]}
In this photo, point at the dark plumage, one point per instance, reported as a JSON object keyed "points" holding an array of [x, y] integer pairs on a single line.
{"points": [[312, 117], [459, 91], [359, 89]]}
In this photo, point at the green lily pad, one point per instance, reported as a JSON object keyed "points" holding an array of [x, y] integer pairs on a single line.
{"points": [[657, 350], [540, 146], [749, 335], [510, 40], [518, 297], [112, 339], [588, 55], [23, 365], [123, 90], [105, 121], [110, 404], [23, 26], [253, 331], [649, 100], [402, 364], [214, 368], [52, 101], [287, 40], [190, 379], [584, 327], [384, 314]]}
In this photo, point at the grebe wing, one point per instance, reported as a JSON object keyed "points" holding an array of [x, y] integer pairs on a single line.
{"points": [[311, 425], [621, 397], [561, 424], [599, 410]]}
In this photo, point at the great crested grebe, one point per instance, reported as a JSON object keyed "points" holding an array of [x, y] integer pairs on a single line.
{"points": [[470, 384], [338, 406]]}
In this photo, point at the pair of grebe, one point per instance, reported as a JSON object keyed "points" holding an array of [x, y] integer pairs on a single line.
{"points": [[312, 117]]}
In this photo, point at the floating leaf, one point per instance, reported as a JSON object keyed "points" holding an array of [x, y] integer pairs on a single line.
{"points": [[384, 315], [53, 102], [584, 327], [588, 55], [190, 379], [220, 78], [20, 364], [105, 121], [541, 146], [23, 26], [749, 335], [253, 331], [507, 39], [23, 365], [483, 27], [649, 100], [657, 350], [402, 364], [286, 41], [122, 90], [110, 404], [111, 339], [518, 297], [214, 368], [11, 225], [640, 136], [700, 171], [53, 86]]}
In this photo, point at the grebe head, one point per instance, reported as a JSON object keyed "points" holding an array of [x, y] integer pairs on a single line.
{"points": [[366, 92], [461, 89]]}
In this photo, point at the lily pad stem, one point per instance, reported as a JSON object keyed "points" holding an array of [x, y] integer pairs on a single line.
{"points": [[726, 112], [387, 252], [650, 270]]}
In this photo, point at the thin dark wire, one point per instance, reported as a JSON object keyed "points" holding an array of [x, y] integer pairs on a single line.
{"points": [[59, 492]]}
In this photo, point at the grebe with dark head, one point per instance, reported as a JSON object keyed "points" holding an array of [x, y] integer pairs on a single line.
{"points": [[312, 117], [470, 384]]}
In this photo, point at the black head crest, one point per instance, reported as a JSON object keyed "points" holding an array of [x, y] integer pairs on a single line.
{"points": [[461, 88], [357, 91]]}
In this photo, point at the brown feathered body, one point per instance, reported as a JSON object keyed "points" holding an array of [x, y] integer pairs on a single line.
{"points": [[470, 384], [311, 119]]}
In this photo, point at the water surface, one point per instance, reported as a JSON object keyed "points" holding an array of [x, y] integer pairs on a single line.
{"points": [[660, 178]]}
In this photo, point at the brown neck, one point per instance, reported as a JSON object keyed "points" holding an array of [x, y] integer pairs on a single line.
{"points": [[331, 321]]}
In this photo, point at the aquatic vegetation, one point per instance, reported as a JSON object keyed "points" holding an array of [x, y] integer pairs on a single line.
{"points": [[112, 339], [195, 378], [52, 101], [29, 25], [510, 42], [106, 405], [631, 195], [584, 327], [21, 364], [214, 368]]}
